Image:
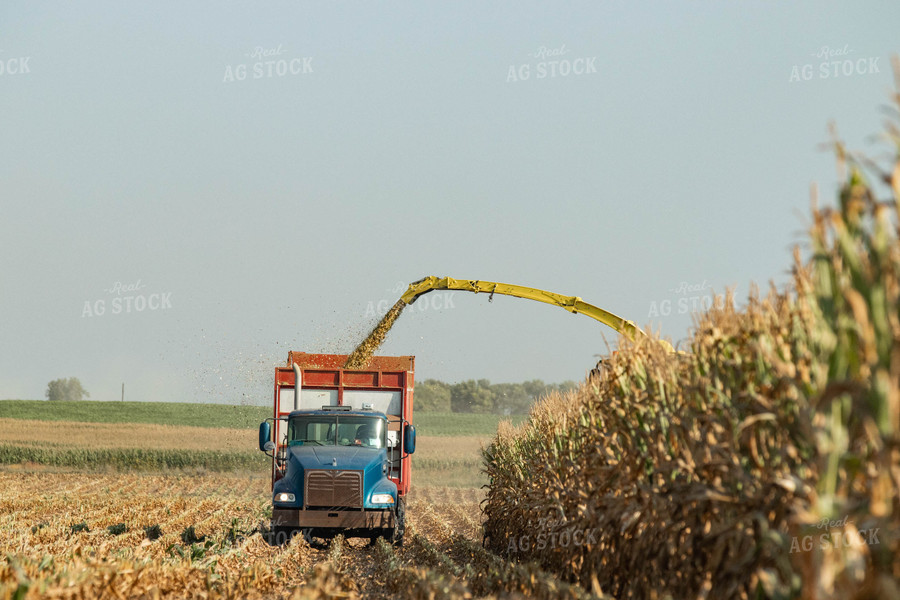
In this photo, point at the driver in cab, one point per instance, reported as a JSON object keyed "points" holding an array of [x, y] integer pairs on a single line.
{"points": [[366, 436]]}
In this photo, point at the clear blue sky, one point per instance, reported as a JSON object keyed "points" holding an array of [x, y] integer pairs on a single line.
{"points": [[273, 213]]}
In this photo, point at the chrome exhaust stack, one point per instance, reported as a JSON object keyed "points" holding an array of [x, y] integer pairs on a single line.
{"points": [[297, 382]]}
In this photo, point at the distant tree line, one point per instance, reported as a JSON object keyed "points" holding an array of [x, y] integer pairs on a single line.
{"points": [[431, 395], [482, 396]]}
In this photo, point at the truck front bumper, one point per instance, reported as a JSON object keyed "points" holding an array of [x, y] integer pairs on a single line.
{"points": [[338, 519]]}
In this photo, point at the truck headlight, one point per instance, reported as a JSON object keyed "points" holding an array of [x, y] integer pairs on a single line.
{"points": [[283, 497], [382, 499]]}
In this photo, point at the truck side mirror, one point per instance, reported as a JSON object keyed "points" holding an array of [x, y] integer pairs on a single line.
{"points": [[265, 435], [409, 439]]}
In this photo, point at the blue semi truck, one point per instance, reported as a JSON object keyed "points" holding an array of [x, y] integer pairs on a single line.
{"points": [[340, 442]]}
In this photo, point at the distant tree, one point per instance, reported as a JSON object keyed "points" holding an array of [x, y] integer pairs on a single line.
{"points": [[511, 398], [66, 390], [432, 395], [482, 396], [472, 396], [535, 388], [566, 386]]}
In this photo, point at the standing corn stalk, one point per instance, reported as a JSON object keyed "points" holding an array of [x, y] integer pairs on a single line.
{"points": [[856, 288], [744, 468]]}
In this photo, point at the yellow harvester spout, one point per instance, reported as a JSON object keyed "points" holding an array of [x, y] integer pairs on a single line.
{"points": [[573, 304]]}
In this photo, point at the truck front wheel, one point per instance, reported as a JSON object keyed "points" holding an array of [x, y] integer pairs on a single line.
{"points": [[395, 535]]}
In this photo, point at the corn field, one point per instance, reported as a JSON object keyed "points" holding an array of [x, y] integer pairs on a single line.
{"points": [[761, 462]]}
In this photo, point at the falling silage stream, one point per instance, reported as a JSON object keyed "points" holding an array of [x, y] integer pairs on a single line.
{"points": [[359, 358]]}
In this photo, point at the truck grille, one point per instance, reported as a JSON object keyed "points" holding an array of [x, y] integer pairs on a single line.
{"points": [[333, 488]]}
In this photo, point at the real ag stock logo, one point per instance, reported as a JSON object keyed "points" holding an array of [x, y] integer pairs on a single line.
{"points": [[833, 64], [267, 63], [431, 301], [688, 298], [552, 63], [16, 65], [126, 299], [841, 537], [552, 534]]}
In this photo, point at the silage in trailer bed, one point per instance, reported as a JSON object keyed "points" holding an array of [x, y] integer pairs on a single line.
{"points": [[757, 464]]}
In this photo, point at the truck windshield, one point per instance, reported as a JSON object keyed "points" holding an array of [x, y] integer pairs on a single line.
{"points": [[328, 430]]}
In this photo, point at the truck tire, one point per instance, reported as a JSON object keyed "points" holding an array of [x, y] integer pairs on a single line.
{"points": [[399, 529], [393, 536]]}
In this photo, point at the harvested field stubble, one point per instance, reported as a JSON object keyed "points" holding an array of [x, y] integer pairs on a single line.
{"points": [[150, 536], [46, 434], [696, 474]]}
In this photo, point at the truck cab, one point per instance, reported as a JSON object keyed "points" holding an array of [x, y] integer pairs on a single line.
{"points": [[342, 466]]}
